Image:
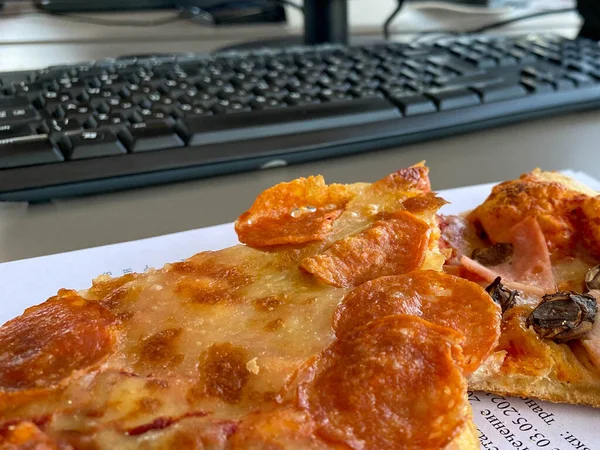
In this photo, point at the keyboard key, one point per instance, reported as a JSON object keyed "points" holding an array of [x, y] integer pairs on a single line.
{"points": [[270, 103], [150, 135], [563, 84], [531, 71], [499, 92], [580, 79], [482, 62], [244, 81], [235, 95], [195, 112], [329, 95], [7, 103], [58, 126], [417, 66], [258, 102], [411, 105], [291, 119], [453, 97], [537, 86], [15, 129], [103, 119], [358, 92], [460, 68], [293, 98], [407, 73], [28, 151], [91, 144], [221, 107], [581, 67], [507, 60], [236, 107], [12, 114]]}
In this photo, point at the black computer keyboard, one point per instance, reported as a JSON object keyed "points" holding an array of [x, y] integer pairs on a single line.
{"points": [[131, 122]]}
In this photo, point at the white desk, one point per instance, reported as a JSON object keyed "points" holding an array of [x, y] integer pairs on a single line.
{"points": [[569, 141]]}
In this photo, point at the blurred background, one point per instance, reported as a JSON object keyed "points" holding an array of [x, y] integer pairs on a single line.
{"points": [[165, 136], [37, 33]]}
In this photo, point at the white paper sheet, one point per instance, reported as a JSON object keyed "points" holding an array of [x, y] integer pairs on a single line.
{"points": [[510, 423]]}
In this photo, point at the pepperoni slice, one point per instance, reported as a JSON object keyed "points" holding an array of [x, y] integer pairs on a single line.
{"points": [[300, 211], [435, 296], [392, 246], [393, 383], [52, 340]]}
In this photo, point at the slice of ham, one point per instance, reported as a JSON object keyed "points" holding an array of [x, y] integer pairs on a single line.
{"points": [[459, 235], [592, 343], [529, 269]]}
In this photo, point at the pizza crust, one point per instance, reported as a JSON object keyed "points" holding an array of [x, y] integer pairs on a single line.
{"points": [[467, 439], [547, 387]]}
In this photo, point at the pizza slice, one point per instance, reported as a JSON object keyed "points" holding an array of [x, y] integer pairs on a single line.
{"points": [[535, 242], [304, 337]]}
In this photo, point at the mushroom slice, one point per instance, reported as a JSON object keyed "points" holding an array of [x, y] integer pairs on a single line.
{"points": [[564, 316], [502, 295], [592, 278], [494, 255]]}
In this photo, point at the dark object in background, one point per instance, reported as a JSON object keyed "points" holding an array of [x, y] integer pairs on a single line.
{"points": [[590, 12], [222, 11], [488, 3], [237, 11], [68, 6], [325, 21]]}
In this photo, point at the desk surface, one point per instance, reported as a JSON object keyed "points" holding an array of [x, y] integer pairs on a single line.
{"points": [[568, 141]]}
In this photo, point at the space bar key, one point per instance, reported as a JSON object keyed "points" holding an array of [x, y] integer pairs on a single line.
{"points": [[290, 120]]}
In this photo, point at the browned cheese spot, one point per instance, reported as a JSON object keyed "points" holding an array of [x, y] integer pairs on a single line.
{"points": [[203, 291], [159, 350], [156, 384], [269, 303], [274, 325], [195, 394], [119, 300], [203, 280], [223, 367], [148, 404]]}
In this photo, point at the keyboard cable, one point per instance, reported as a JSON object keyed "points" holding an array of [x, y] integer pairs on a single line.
{"points": [[503, 23], [390, 19]]}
